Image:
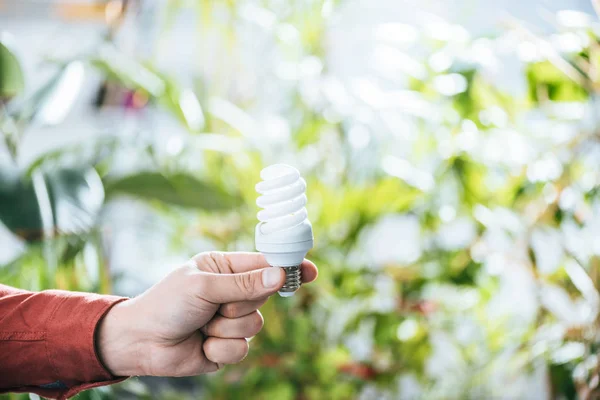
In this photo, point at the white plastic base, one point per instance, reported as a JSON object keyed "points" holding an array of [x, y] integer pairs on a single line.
{"points": [[288, 259], [285, 248]]}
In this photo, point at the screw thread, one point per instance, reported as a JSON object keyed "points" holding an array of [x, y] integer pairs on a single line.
{"points": [[293, 279]]}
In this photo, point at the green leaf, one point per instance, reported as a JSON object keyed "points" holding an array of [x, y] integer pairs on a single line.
{"points": [[61, 97], [75, 196], [12, 82], [183, 104], [95, 153], [179, 189], [128, 71], [19, 209], [27, 110], [546, 78]]}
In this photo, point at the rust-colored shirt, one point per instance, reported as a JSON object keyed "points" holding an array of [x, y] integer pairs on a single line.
{"points": [[47, 342]]}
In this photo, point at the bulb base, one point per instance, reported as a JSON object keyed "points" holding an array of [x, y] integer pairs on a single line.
{"points": [[293, 280]]}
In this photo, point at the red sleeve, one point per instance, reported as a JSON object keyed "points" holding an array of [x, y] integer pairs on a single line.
{"points": [[47, 342]]}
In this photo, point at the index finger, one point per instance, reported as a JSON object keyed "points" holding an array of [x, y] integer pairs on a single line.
{"points": [[238, 262], [238, 309], [220, 262]]}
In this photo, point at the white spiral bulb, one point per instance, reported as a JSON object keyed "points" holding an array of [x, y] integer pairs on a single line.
{"points": [[283, 198], [284, 234]]}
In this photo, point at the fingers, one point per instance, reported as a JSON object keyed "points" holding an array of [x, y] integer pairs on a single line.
{"points": [[233, 263], [229, 288], [309, 271], [225, 351], [235, 277], [231, 328], [230, 263], [240, 308]]}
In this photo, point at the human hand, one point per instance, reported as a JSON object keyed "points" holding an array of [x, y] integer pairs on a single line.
{"points": [[195, 320]]}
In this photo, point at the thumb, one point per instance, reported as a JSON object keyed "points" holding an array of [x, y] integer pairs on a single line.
{"points": [[253, 285]]}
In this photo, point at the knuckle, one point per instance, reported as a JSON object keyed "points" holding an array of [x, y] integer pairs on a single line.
{"points": [[245, 283], [218, 262], [225, 264], [214, 256], [200, 259], [213, 261]]}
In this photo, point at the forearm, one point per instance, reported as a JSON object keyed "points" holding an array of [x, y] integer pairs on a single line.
{"points": [[47, 341]]}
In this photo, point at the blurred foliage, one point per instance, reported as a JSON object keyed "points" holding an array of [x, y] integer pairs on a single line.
{"points": [[455, 220], [178, 189], [11, 83]]}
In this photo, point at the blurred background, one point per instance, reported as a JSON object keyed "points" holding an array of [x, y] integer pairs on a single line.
{"points": [[451, 150]]}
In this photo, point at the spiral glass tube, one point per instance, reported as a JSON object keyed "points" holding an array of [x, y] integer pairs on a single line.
{"points": [[283, 200]]}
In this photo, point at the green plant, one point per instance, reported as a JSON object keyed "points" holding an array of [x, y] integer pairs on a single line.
{"points": [[454, 221], [11, 83]]}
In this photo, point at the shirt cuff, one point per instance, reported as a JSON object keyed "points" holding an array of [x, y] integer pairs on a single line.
{"points": [[47, 342], [70, 336], [70, 342]]}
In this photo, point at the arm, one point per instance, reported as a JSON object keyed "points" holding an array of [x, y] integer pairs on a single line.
{"points": [[194, 321], [47, 341]]}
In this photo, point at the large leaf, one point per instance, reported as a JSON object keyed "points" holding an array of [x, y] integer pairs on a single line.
{"points": [[19, 208], [11, 75], [178, 189], [61, 99], [51, 102], [75, 197], [183, 104], [128, 71]]}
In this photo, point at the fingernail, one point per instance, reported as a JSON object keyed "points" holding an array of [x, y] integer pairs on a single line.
{"points": [[271, 277]]}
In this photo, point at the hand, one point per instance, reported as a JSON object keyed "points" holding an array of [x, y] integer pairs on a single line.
{"points": [[193, 321]]}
